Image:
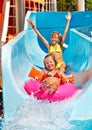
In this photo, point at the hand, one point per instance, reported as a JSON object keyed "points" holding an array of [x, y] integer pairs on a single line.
{"points": [[31, 23], [68, 16], [52, 89], [44, 72], [36, 78], [44, 85]]}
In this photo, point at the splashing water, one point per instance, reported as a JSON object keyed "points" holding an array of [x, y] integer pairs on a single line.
{"points": [[34, 114]]}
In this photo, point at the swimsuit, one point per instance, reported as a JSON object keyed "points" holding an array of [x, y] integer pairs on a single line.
{"points": [[52, 49], [59, 64], [59, 50], [55, 75]]}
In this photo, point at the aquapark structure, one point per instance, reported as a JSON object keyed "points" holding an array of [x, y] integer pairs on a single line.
{"points": [[26, 51]]}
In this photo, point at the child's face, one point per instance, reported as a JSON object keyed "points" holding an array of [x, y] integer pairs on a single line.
{"points": [[54, 38], [49, 63]]}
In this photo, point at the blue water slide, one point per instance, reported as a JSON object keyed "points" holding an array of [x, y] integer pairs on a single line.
{"points": [[27, 50]]}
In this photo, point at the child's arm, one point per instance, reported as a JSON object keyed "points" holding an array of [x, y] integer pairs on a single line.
{"points": [[39, 34], [68, 17]]}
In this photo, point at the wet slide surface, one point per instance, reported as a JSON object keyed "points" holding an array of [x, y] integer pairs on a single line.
{"points": [[26, 50]]}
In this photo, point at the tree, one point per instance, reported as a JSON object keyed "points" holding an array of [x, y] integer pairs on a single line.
{"points": [[88, 4], [66, 5], [71, 5]]}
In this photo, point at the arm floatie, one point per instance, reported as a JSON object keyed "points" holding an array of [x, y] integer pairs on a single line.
{"points": [[68, 79], [36, 74]]}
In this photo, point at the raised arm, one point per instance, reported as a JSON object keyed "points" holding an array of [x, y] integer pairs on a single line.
{"points": [[38, 33], [68, 17]]}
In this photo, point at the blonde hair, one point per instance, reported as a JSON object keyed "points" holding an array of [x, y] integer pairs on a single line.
{"points": [[59, 36], [54, 33], [49, 55]]}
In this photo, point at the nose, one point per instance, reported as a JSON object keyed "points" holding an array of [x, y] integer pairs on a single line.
{"points": [[53, 38], [48, 63]]}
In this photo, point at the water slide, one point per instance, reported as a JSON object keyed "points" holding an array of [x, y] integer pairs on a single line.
{"points": [[26, 50]]}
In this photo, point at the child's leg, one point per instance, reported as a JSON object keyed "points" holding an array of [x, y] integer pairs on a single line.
{"points": [[60, 65], [82, 77]]}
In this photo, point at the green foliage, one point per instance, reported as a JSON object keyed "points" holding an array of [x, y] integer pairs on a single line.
{"points": [[71, 5], [66, 5], [88, 4]]}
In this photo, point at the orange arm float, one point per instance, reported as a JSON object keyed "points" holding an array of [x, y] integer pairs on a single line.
{"points": [[69, 79], [36, 74]]}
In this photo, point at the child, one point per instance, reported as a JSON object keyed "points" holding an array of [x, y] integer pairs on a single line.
{"points": [[49, 78], [52, 77], [55, 48]]}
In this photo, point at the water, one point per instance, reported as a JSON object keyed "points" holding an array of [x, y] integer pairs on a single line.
{"points": [[34, 114]]}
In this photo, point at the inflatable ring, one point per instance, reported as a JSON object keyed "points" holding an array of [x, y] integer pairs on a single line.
{"points": [[63, 92]]}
